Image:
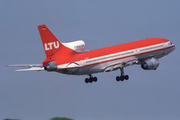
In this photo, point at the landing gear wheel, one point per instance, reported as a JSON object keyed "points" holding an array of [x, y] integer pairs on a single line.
{"points": [[86, 80], [118, 78], [95, 79], [90, 80], [126, 77], [122, 78]]}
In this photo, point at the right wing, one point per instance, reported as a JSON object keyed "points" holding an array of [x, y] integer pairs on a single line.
{"points": [[120, 65], [32, 67]]}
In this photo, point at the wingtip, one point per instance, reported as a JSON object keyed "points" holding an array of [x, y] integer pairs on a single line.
{"points": [[9, 66]]}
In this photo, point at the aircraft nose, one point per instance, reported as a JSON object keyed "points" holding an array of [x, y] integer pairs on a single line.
{"points": [[173, 46]]}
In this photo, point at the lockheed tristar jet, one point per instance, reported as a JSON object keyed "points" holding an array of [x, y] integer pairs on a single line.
{"points": [[71, 58]]}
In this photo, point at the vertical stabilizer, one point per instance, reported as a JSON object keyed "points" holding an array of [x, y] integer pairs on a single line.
{"points": [[50, 43]]}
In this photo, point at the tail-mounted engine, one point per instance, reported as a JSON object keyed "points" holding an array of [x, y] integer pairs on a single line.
{"points": [[51, 66], [78, 45], [150, 64]]}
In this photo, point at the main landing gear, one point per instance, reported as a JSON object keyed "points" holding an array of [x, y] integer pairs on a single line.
{"points": [[91, 79], [122, 77]]}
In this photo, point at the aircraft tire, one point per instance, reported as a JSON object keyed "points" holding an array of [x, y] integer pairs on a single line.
{"points": [[118, 78], [122, 78], [86, 80], [95, 79], [126, 77], [90, 80]]}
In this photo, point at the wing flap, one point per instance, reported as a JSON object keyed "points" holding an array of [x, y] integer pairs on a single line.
{"points": [[112, 67], [118, 65]]}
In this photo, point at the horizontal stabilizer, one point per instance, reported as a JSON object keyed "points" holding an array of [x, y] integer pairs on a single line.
{"points": [[25, 65], [31, 69]]}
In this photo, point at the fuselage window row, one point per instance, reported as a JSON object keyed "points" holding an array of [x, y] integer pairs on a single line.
{"points": [[118, 55]]}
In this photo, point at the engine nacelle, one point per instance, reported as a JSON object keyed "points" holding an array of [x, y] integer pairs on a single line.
{"points": [[150, 64], [51, 66], [78, 45]]}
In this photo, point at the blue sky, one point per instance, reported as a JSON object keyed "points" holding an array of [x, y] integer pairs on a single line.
{"points": [[41, 95]]}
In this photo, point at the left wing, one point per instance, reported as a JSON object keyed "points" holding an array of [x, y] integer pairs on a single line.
{"points": [[32, 67]]}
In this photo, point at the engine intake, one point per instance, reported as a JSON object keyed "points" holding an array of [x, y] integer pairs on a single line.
{"points": [[51, 66], [150, 64]]}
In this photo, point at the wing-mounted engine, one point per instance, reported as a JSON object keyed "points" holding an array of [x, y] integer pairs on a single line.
{"points": [[77, 46], [51, 66], [150, 64]]}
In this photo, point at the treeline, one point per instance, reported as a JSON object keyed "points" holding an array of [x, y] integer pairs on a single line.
{"points": [[60, 118], [54, 118]]}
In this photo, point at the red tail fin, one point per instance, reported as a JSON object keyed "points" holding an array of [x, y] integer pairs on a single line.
{"points": [[50, 43]]}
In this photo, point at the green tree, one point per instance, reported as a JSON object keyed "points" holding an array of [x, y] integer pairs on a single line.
{"points": [[60, 118], [11, 119]]}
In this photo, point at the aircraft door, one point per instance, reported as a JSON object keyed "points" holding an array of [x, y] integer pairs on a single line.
{"points": [[82, 63], [164, 44], [137, 51]]}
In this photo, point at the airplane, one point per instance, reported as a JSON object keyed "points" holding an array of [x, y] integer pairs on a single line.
{"points": [[71, 58]]}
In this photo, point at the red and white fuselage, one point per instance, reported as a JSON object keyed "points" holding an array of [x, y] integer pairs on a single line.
{"points": [[110, 58]]}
